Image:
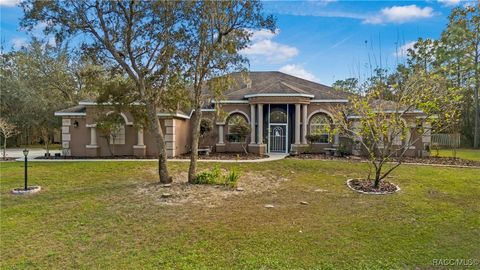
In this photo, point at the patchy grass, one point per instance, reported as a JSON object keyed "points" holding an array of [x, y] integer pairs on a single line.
{"points": [[471, 154], [90, 215]]}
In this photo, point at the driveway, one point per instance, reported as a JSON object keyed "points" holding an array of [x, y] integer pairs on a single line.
{"points": [[33, 152]]}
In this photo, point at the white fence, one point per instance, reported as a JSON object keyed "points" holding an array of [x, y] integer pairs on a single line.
{"points": [[446, 140]]}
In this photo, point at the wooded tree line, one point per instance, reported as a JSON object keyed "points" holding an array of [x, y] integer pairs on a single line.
{"points": [[454, 57], [36, 81]]}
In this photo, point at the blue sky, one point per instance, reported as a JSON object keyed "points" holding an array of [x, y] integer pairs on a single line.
{"points": [[318, 40]]}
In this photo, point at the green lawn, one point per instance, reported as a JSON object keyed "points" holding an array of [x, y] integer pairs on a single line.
{"points": [[471, 154], [90, 215]]}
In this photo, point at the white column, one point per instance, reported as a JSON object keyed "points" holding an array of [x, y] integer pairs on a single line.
{"points": [[220, 134], [140, 136], [336, 139], [93, 136], [297, 123], [304, 124], [260, 124], [252, 124]]}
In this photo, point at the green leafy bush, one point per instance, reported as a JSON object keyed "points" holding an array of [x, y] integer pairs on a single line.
{"points": [[209, 177], [317, 138], [215, 177], [206, 126], [231, 178]]}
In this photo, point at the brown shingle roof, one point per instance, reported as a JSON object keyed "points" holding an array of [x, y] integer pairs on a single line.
{"points": [[274, 82], [74, 109]]}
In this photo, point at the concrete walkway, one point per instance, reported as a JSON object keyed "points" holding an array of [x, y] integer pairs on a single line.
{"points": [[32, 153], [31, 157]]}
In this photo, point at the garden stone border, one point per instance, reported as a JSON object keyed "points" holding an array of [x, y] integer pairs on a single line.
{"points": [[372, 193], [30, 190]]}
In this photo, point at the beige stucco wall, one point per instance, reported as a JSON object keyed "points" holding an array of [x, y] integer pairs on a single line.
{"points": [[178, 131], [182, 136], [79, 136]]}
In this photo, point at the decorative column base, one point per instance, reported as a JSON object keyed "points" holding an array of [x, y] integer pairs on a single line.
{"points": [[259, 149], [92, 151], [220, 148], [140, 150]]}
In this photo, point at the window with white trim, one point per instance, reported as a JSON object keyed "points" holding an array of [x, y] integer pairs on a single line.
{"points": [[320, 124]]}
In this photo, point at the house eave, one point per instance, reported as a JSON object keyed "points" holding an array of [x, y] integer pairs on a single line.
{"points": [[239, 101], [93, 103], [70, 114], [329, 100], [177, 115], [279, 95]]}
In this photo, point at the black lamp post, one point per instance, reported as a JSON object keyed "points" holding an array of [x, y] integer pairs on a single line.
{"points": [[25, 153]]}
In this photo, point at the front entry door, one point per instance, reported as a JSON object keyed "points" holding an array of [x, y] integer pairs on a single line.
{"points": [[278, 138]]}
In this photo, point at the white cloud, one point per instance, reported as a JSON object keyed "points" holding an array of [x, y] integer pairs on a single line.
{"points": [[400, 14], [52, 41], [263, 34], [322, 2], [298, 71], [9, 3], [449, 3], [403, 50], [18, 43], [264, 48]]}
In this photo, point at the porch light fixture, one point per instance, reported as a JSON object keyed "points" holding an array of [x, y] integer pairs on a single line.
{"points": [[75, 124]]}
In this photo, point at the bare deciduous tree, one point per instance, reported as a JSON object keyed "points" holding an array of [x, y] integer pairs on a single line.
{"points": [[386, 130], [8, 130]]}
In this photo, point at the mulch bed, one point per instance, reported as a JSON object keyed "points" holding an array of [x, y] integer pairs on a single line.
{"points": [[180, 192], [212, 156], [443, 161], [366, 186], [424, 160], [102, 157], [225, 156]]}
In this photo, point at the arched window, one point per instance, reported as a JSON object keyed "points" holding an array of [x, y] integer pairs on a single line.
{"points": [[117, 128], [320, 125], [237, 128]]}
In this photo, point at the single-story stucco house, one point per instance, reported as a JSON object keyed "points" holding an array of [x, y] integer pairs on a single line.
{"points": [[281, 110]]}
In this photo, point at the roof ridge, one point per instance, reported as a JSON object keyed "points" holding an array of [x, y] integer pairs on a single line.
{"points": [[294, 88]]}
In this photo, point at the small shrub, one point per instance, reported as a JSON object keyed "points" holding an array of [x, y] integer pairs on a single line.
{"points": [[209, 177], [317, 138], [231, 178], [215, 177], [206, 126], [235, 138]]}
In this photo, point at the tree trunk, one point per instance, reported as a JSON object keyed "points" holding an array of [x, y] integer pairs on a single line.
{"points": [[194, 142], [378, 172], [47, 145], [156, 130]]}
